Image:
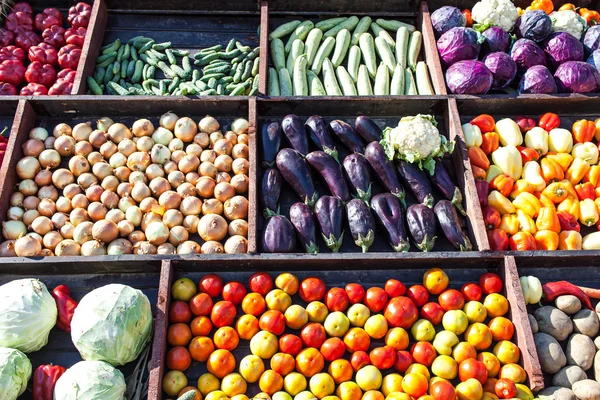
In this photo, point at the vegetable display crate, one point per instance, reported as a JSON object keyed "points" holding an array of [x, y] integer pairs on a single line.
{"points": [[368, 270], [383, 113], [144, 275], [414, 13]]}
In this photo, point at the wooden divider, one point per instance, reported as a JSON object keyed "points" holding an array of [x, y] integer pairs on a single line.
{"points": [[432, 57]]}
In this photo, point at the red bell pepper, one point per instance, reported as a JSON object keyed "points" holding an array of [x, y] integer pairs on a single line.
{"points": [[43, 55], [67, 75], [6, 37], [75, 36], [554, 289], [567, 222], [44, 380], [585, 191], [27, 39], [54, 36], [528, 154], [482, 187], [485, 123], [491, 217], [525, 124], [18, 21], [549, 121], [79, 15], [23, 7], [6, 89], [498, 240], [468, 17], [61, 87], [34, 89], [47, 18], [583, 131], [522, 241], [44, 74], [12, 53], [68, 56], [12, 71], [65, 305]]}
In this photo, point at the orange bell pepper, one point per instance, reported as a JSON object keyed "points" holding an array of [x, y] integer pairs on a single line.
{"points": [[592, 17], [491, 217], [526, 223], [570, 188], [546, 240], [478, 158], [551, 171], [498, 240], [485, 123], [528, 154], [562, 159], [593, 175], [567, 222], [503, 184], [490, 142], [567, 7], [585, 191], [597, 134], [577, 170], [597, 191], [588, 212], [569, 240], [528, 203], [570, 205], [549, 121], [597, 201], [545, 201], [510, 224], [547, 220], [521, 186], [522, 241], [544, 5], [556, 192], [583, 131], [468, 17], [478, 173]]}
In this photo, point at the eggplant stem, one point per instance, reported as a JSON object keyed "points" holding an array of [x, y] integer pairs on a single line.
{"points": [[311, 201], [332, 152], [364, 242], [457, 201], [401, 196], [333, 244], [270, 213], [364, 196], [467, 246], [312, 248], [428, 201], [402, 247], [427, 244]]}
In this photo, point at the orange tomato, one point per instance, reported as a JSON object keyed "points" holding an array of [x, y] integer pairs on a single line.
{"points": [[495, 304], [178, 359], [270, 382], [254, 304], [198, 395], [220, 363], [201, 326], [357, 339], [442, 391], [491, 363], [179, 335], [226, 338], [479, 335], [470, 389], [201, 304], [340, 370], [247, 326], [373, 395], [414, 385], [513, 372], [502, 329], [201, 348], [472, 368], [309, 362], [463, 351], [283, 363]]}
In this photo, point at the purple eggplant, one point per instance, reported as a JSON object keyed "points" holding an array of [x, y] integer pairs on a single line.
{"points": [[296, 173], [417, 181], [271, 141], [347, 135], [367, 129], [482, 186], [384, 170], [358, 173], [448, 218], [304, 221], [442, 181], [422, 226], [320, 135], [388, 212], [362, 223], [270, 191], [294, 131], [330, 216], [331, 172], [279, 236]]}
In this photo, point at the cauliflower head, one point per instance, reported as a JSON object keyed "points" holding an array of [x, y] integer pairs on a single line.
{"points": [[568, 21], [416, 140], [500, 13]]}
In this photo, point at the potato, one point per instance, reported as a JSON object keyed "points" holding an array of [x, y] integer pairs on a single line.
{"points": [[568, 304], [586, 322], [533, 323], [554, 322], [597, 366], [597, 342], [556, 393], [551, 355], [580, 351], [587, 390], [567, 376]]}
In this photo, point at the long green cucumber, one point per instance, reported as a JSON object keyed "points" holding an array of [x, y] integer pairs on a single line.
{"points": [[315, 86], [392, 25], [397, 85], [382, 81], [255, 66], [342, 43], [273, 88], [332, 88], [284, 30], [380, 32], [345, 81], [327, 24], [285, 83], [410, 87], [296, 51], [367, 47], [349, 24], [324, 50], [402, 38], [301, 32], [313, 40], [422, 78], [414, 48], [277, 54], [385, 53], [299, 76], [354, 62], [363, 83]]}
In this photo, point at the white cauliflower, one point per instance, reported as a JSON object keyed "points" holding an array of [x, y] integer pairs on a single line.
{"points": [[500, 13], [416, 140], [568, 21]]}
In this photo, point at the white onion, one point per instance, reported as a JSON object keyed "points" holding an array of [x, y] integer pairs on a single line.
{"points": [[124, 189], [189, 247], [95, 157], [105, 231], [15, 214], [238, 227], [42, 225], [62, 177], [78, 165], [212, 247], [47, 207], [27, 247], [12, 230], [65, 145], [189, 163], [202, 139], [43, 178], [16, 199], [49, 142], [51, 240], [109, 199], [125, 227], [108, 149], [169, 200], [104, 123], [166, 248], [31, 202], [236, 245], [149, 218], [240, 126], [93, 248], [48, 192], [115, 216], [138, 161], [33, 148], [194, 149], [157, 233], [110, 183], [127, 147], [144, 248], [68, 247], [191, 223], [162, 136], [28, 187], [176, 178], [59, 219], [78, 215], [29, 216], [80, 201], [186, 189], [140, 191], [61, 129], [144, 144], [125, 203], [176, 144], [66, 231], [178, 235], [143, 127], [136, 236], [38, 133], [81, 132], [102, 170], [118, 132], [137, 176], [117, 160], [160, 154], [134, 215], [28, 167], [147, 204], [170, 166], [172, 218], [122, 173], [71, 190], [191, 206], [7, 249], [118, 247], [215, 137], [86, 180], [154, 171], [83, 232], [231, 137], [208, 124], [97, 138], [168, 120]]}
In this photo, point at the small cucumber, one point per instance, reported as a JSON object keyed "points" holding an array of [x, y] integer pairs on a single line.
{"points": [[206, 59], [224, 69], [104, 57], [186, 63], [402, 38], [180, 53], [134, 54], [242, 48], [397, 85], [146, 47], [207, 77], [230, 54], [363, 83], [114, 46], [382, 81], [209, 92], [230, 45], [239, 70], [315, 86], [117, 68], [124, 65], [171, 56], [137, 74], [327, 24], [164, 87], [254, 53], [414, 48], [145, 71], [126, 52], [247, 70], [220, 89], [169, 73], [255, 66], [422, 77], [284, 30], [296, 51], [225, 79], [273, 88], [99, 74], [313, 40], [380, 32], [299, 76], [93, 86], [133, 39], [362, 27], [174, 84], [201, 85], [108, 75], [410, 87], [345, 81], [332, 88], [161, 46], [349, 24], [324, 51], [393, 26], [367, 47], [158, 55], [195, 75], [301, 32], [354, 62], [385, 53], [240, 89], [342, 43], [120, 90], [120, 53], [277, 54], [285, 83], [216, 47], [180, 72], [108, 61], [130, 69], [151, 72]]}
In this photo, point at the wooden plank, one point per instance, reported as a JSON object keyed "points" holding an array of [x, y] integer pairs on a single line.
{"points": [[264, 47], [253, 176], [91, 46], [346, 6], [432, 57], [162, 6]]}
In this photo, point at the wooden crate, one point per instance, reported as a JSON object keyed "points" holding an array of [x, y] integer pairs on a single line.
{"points": [[385, 113], [369, 270], [60, 350]]}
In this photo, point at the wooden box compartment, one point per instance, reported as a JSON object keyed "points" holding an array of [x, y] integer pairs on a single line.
{"points": [[413, 12], [73, 110], [81, 279], [384, 113], [368, 270]]}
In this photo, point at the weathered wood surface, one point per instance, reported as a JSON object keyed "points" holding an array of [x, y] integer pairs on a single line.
{"points": [[91, 46]]}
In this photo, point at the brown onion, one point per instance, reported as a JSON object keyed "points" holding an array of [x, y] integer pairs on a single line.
{"points": [[110, 183], [93, 248], [240, 150], [78, 165], [86, 180], [231, 137], [172, 218], [194, 149], [143, 127], [154, 171], [236, 245], [223, 163], [212, 227], [109, 199], [33, 148], [127, 147], [191, 223], [169, 200], [97, 138], [212, 206], [94, 192], [66, 231], [208, 169], [105, 231], [189, 247], [166, 248], [202, 139], [61, 129], [49, 158], [122, 173], [7, 248], [125, 227], [83, 149], [80, 201], [192, 177], [63, 204], [236, 208], [238, 227], [104, 123], [177, 155], [108, 149], [223, 177], [118, 247], [212, 247], [48, 192], [94, 158], [64, 145], [51, 240], [168, 120], [188, 163], [47, 207], [240, 183], [62, 177], [42, 225], [144, 248], [147, 204], [59, 219], [215, 137], [223, 147], [178, 235], [115, 215], [124, 189], [176, 178], [185, 129], [28, 167], [159, 185], [170, 166], [29, 216], [43, 178], [78, 216], [28, 187], [138, 161], [118, 132], [83, 232], [102, 170], [97, 211], [224, 191], [27, 247], [71, 190], [144, 144], [205, 187], [49, 142], [81, 132], [16, 199], [243, 139], [240, 166], [191, 206], [136, 236], [240, 126], [149, 218], [208, 124], [68, 247], [176, 144], [186, 189], [140, 191]]}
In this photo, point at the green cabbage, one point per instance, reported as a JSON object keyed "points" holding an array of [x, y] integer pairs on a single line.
{"points": [[15, 371], [27, 314], [90, 380], [113, 324]]}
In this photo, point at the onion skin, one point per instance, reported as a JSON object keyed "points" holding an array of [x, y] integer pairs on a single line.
{"points": [[212, 247], [27, 246], [189, 247], [7, 249], [118, 247], [236, 245], [105, 231], [212, 227]]}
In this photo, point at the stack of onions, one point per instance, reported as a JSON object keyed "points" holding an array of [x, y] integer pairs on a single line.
{"points": [[140, 190]]}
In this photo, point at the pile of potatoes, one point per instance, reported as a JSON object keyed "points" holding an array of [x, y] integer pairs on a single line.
{"points": [[568, 347]]}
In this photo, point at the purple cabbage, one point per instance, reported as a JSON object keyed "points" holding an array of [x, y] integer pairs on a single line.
{"points": [[496, 39], [469, 77], [503, 68], [537, 80], [445, 18], [591, 40], [577, 77], [561, 47], [534, 25], [594, 59], [526, 53], [459, 44]]}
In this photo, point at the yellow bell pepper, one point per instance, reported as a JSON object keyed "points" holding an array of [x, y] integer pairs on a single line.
{"points": [[570, 188], [562, 159], [548, 220], [526, 223], [532, 173], [560, 140], [545, 5], [597, 201], [593, 175], [588, 212], [570, 205], [591, 241], [537, 139], [508, 159], [587, 151], [577, 170], [528, 203], [501, 203], [472, 135], [545, 201], [597, 134], [509, 224], [556, 192], [509, 132], [551, 171], [492, 172], [521, 186], [546, 240], [569, 240]]}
